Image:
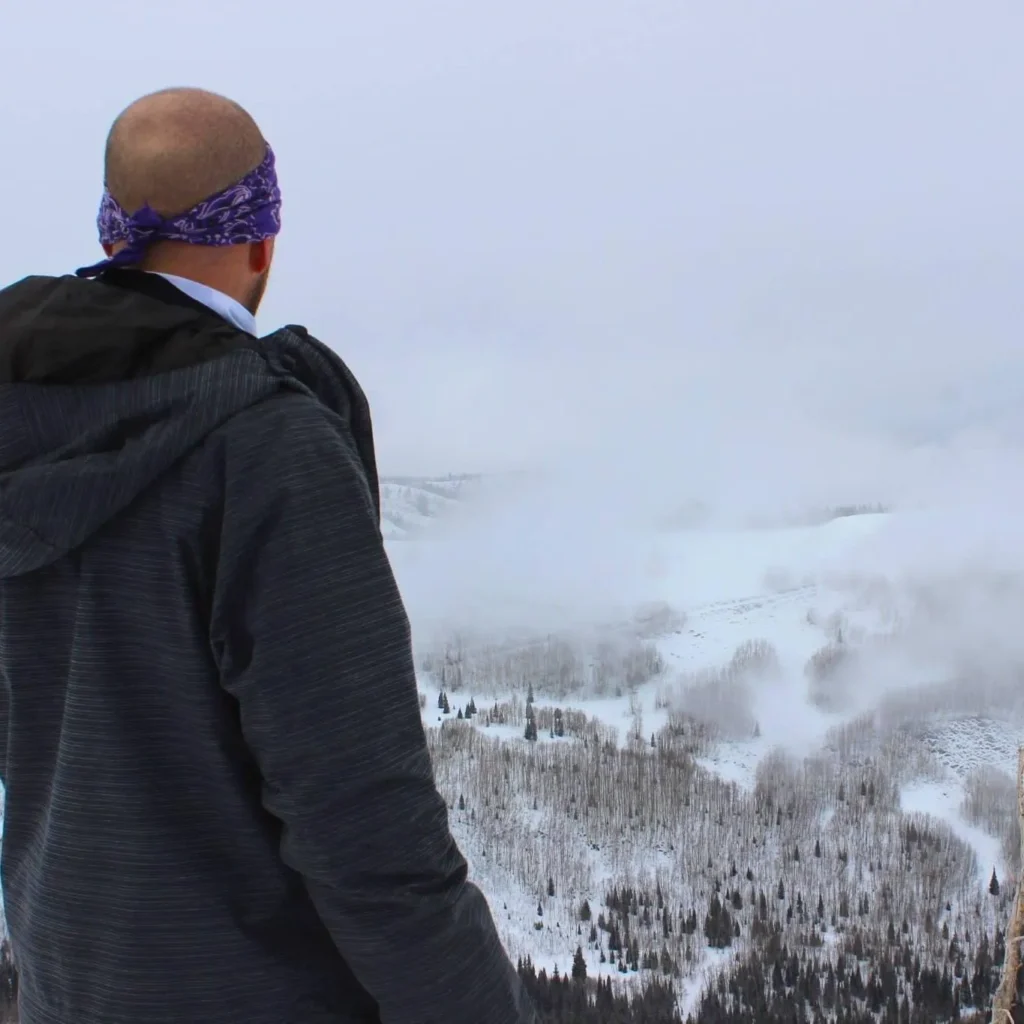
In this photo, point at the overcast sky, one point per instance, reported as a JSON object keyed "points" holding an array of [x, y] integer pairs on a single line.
{"points": [[751, 241]]}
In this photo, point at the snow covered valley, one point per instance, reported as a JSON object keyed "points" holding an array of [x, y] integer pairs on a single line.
{"points": [[777, 772]]}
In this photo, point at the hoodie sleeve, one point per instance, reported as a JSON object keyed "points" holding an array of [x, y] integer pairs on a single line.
{"points": [[313, 642]]}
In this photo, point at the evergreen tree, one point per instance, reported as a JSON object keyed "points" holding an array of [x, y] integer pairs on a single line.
{"points": [[531, 728], [718, 928], [993, 885], [667, 966], [579, 966]]}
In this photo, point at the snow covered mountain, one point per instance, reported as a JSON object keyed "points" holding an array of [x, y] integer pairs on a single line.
{"points": [[411, 504], [795, 744]]}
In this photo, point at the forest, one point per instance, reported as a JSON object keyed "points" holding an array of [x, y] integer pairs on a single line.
{"points": [[630, 864]]}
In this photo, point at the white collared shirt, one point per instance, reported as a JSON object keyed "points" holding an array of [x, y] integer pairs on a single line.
{"points": [[232, 310]]}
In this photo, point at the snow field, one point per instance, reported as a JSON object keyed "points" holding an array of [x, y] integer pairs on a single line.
{"points": [[793, 590]]}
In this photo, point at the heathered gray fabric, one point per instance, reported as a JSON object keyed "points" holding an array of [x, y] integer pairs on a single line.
{"points": [[220, 807]]}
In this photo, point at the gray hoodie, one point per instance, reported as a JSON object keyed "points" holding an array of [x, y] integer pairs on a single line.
{"points": [[219, 803]]}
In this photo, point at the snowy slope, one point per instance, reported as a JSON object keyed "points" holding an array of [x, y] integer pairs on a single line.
{"points": [[798, 590], [411, 504]]}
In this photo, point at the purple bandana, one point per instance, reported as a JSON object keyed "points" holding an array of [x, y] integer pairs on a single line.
{"points": [[248, 211]]}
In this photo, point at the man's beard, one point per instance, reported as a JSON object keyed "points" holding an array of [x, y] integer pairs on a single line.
{"points": [[252, 303]]}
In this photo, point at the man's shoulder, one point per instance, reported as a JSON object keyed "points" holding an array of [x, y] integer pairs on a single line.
{"points": [[288, 460], [314, 421], [280, 427], [311, 403], [337, 413], [293, 353]]}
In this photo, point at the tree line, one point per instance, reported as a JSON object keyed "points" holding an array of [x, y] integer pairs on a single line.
{"points": [[816, 856]]}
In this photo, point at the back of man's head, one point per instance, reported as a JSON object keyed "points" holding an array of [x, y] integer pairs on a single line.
{"points": [[173, 149]]}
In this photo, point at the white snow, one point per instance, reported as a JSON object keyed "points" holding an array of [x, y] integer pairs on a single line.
{"points": [[797, 589], [705, 975], [942, 800]]}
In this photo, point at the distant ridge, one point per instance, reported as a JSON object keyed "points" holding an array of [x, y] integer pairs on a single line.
{"points": [[409, 504]]}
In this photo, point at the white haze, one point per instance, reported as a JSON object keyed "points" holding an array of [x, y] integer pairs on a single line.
{"points": [[953, 575], [756, 259]]}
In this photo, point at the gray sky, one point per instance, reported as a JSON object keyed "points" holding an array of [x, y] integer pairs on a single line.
{"points": [[770, 248]]}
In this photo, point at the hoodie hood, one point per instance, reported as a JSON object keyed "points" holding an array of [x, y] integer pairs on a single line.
{"points": [[106, 384]]}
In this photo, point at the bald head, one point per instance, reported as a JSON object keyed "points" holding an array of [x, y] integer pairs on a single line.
{"points": [[173, 148]]}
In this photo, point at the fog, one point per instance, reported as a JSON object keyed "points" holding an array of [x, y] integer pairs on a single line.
{"points": [[654, 255], [525, 224]]}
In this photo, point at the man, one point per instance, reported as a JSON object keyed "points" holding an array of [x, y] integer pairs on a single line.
{"points": [[219, 802]]}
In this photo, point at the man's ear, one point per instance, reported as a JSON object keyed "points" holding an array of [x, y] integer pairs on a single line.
{"points": [[260, 255]]}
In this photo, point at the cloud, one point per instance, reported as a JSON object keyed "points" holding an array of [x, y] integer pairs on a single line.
{"points": [[767, 256]]}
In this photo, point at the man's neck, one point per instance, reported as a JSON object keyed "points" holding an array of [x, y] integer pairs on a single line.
{"points": [[221, 304]]}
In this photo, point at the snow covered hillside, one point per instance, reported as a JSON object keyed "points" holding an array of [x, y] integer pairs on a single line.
{"points": [[409, 504], [787, 744]]}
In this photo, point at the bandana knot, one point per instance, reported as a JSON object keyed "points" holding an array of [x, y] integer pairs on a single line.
{"points": [[247, 211]]}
